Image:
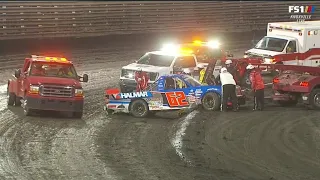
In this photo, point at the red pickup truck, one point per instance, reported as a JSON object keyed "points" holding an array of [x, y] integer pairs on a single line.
{"points": [[47, 83]]}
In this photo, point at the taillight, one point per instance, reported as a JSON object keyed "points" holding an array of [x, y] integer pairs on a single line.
{"points": [[276, 80], [305, 84]]}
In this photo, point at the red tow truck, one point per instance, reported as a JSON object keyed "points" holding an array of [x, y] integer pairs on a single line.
{"points": [[295, 83], [47, 83]]}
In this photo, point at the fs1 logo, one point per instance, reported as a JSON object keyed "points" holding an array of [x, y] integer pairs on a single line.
{"points": [[302, 9]]}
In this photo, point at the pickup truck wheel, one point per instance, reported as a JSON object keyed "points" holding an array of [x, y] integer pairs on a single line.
{"points": [[11, 99], [139, 108], [78, 115], [17, 101], [315, 99], [211, 101]]}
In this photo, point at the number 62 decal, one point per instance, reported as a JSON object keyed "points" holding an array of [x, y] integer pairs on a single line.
{"points": [[176, 99]]}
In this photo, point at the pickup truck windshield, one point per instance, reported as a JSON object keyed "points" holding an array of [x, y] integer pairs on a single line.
{"points": [[193, 82], [49, 69], [156, 60], [272, 44]]}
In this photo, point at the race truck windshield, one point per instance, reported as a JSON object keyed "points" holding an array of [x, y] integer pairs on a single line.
{"points": [[156, 60], [193, 82], [272, 44], [49, 69]]}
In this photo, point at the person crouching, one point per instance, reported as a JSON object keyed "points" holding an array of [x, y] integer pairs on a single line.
{"points": [[228, 89]]}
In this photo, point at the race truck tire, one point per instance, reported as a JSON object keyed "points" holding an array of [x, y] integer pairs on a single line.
{"points": [[139, 108], [211, 101], [78, 115], [315, 99]]}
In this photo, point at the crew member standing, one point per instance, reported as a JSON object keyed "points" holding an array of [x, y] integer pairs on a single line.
{"points": [[228, 89], [257, 86], [142, 80]]}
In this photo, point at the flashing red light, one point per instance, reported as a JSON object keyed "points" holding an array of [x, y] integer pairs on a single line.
{"points": [[276, 80]]}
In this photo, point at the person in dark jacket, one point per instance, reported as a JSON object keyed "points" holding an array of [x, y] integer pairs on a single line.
{"points": [[257, 85]]}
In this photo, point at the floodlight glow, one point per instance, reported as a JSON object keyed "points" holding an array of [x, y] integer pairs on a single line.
{"points": [[170, 48], [214, 44]]}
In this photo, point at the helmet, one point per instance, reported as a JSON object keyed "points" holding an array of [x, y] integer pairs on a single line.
{"points": [[228, 61], [223, 70], [250, 66], [200, 66], [186, 71]]}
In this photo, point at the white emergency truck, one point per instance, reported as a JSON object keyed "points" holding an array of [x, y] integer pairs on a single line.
{"points": [[285, 38]]}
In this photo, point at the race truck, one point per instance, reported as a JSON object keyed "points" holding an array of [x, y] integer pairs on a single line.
{"points": [[287, 38], [296, 83], [169, 92], [47, 83], [166, 61]]}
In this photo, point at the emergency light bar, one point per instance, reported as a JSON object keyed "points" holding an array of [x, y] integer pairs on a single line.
{"points": [[51, 59]]}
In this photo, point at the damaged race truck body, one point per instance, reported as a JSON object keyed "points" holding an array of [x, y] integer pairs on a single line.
{"points": [[169, 92], [47, 83]]}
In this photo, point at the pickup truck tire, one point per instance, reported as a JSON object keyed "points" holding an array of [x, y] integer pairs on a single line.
{"points": [[315, 99], [139, 108], [211, 101], [17, 101], [11, 99], [77, 115]]}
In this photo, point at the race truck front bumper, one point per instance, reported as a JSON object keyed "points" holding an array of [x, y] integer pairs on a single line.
{"points": [[55, 104]]}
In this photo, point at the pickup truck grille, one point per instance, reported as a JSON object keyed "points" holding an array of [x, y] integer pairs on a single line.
{"points": [[56, 91]]}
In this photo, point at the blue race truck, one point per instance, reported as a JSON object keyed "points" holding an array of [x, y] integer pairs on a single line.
{"points": [[169, 92]]}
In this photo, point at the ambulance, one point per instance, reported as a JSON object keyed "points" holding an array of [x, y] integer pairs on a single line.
{"points": [[287, 38]]}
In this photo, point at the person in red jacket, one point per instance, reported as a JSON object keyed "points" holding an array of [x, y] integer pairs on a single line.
{"points": [[142, 80], [257, 86]]}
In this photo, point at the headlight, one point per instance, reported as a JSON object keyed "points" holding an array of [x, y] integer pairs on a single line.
{"points": [[78, 92], [269, 60], [34, 89], [214, 44]]}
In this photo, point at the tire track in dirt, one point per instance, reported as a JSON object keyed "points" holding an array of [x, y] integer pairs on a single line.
{"points": [[279, 143]]}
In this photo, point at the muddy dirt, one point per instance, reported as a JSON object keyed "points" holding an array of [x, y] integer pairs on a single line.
{"points": [[278, 143]]}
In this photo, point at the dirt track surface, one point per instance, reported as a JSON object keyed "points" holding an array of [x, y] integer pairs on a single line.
{"points": [[279, 143]]}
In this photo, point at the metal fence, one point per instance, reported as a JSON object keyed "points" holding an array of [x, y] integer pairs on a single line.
{"points": [[78, 19]]}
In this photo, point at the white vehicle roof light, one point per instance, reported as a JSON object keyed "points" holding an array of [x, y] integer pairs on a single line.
{"points": [[214, 44], [171, 48]]}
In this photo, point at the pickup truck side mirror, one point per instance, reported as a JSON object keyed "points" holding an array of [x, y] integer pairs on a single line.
{"points": [[85, 78], [17, 73]]}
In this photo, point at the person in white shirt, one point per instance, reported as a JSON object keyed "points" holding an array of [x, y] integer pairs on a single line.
{"points": [[228, 89]]}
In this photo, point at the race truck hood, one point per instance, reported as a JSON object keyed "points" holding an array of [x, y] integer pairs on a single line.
{"points": [[261, 53], [54, 80], [146, 68]]}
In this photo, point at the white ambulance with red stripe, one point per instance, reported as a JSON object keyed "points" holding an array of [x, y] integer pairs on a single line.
{"points": [[289, 38]]}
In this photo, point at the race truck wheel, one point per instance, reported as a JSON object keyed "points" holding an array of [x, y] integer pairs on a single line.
{"points": [[211, 101], [139, 108], [315, 99]]}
